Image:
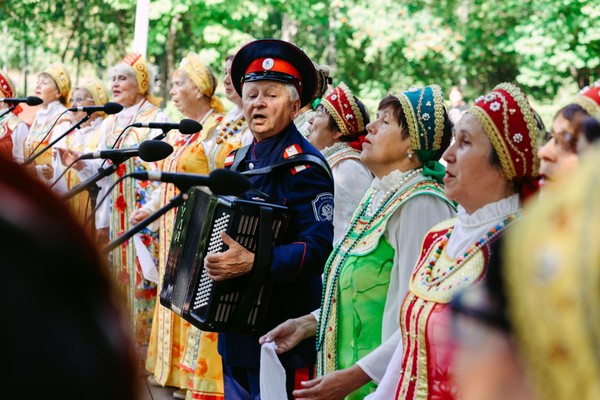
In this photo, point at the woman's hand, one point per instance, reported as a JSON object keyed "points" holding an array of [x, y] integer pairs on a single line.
{"points": [[291, 332], [47, 171], [68, 156], [233, 262], [138, 216], [333, 386]]}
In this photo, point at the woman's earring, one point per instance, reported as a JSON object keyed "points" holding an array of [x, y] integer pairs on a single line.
{"points": [[410, 155]]}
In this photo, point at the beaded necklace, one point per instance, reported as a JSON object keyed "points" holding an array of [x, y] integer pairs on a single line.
{"points": [[230, 129], [336, 252], [427, 277]]}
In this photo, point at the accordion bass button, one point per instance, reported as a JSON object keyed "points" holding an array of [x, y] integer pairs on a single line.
{"points": [[251, 165]]}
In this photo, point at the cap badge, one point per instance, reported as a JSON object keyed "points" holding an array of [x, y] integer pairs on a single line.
{"points": [[268, 63]]}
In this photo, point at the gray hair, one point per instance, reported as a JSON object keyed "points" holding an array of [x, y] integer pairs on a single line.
{"points": [[127, 69], [293, 91]]}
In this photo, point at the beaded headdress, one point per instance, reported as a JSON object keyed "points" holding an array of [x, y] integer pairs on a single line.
{"points": [[61, 77], [6, 86], [202, 77], [509, 122], [424, 111], [589, 99], [342, 107], [142, 75], [552, 275]]}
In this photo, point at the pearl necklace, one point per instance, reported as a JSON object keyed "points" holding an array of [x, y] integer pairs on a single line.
{"points": [[362, 213], [494, 232], [405, 178]]}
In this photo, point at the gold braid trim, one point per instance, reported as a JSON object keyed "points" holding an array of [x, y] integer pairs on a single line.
{"points": [[495, 138], [529, 118], [589, 105], [438, 105], [336, 117], [411, 120]]}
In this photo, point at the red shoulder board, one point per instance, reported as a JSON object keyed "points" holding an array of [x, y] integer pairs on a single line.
{"points": [[292, 151], [229, 159]]}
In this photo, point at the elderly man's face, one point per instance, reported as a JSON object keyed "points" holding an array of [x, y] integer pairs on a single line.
{"points": [[268, 107]]}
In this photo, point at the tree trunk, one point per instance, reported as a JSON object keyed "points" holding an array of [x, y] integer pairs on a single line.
{"points": [[170, 67]]}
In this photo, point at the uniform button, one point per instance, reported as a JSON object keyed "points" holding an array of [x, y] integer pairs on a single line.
{"points": [[251, 165]]}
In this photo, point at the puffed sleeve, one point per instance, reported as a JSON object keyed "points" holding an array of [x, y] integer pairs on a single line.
{"points": [[405, 232]]}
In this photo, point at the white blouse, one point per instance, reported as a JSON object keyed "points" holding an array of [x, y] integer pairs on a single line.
{"points": [[384, 364]]}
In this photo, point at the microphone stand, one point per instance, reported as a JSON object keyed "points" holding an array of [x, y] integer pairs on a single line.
{"points": [[162, 135], [174, 202], [12, 107], [30, 159], [92, 187]]}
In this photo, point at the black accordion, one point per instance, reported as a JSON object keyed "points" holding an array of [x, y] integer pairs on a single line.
{"points": [[236, 305]]}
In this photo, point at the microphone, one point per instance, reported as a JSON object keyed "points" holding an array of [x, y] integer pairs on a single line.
{"points": [[185, 126], [148, 150], [31, 100], [220, 181], [108, 108]]}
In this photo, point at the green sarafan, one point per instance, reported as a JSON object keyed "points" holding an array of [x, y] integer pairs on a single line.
{"points": [[375, 46]]}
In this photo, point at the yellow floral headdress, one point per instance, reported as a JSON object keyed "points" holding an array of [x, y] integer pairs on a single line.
{"points": [[61, 77], [142, 75], [203, 78], [97, 90]]}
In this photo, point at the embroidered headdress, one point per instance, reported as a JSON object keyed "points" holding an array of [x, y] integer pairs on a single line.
{"points": [[7, 89], [342, 107], [97, 90], [424, 111], [589, 99], [61, 77], [203, 78], [510, 123], [142, 75]]}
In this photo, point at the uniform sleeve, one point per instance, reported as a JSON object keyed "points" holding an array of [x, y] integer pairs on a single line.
{"points": [[310, 231], [405, 231]]}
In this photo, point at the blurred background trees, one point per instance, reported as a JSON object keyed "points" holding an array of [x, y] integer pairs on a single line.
{"points": [[550, 47]]}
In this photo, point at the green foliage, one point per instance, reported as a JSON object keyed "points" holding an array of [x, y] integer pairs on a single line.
{"points": [[376, 46]]}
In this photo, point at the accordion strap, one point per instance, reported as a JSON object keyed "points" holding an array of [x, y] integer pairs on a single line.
{"points": [[262, 264], [298, 159]]}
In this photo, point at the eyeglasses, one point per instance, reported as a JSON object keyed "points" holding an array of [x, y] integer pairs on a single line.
{"points": [[565, 141], [80, 99]]}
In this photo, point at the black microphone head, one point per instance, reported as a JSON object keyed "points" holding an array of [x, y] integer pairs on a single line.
{"points": [[154, 150], [112, 108], [189, 126], [227, 182], [34, 101]]}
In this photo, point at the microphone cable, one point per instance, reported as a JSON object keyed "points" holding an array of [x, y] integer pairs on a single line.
{"points": [[46, 135], [64, 172]]}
